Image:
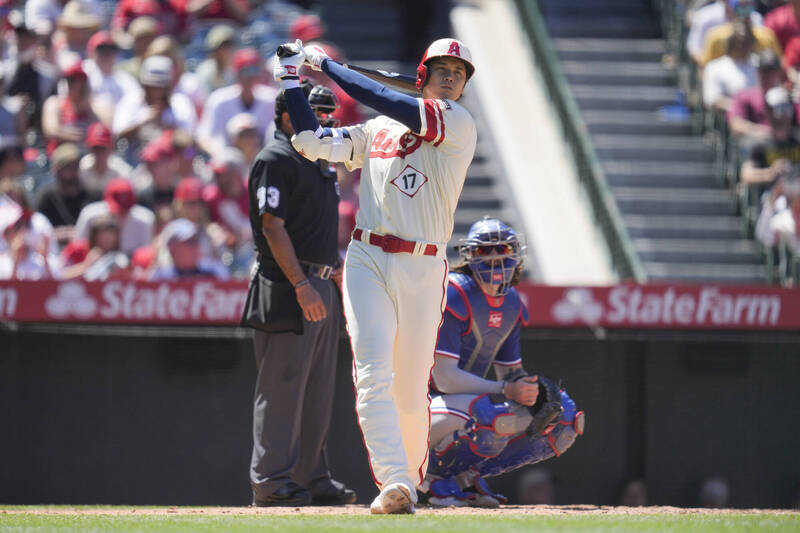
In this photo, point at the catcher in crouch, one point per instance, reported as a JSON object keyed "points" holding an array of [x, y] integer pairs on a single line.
{"points": [[482, 427]]}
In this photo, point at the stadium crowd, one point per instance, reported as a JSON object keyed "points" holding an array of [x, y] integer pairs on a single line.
{"points": [[127, 130], [743, 61]]}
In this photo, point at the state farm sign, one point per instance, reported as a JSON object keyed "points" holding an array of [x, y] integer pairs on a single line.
{"points": [[200, 302], [665, 306]]}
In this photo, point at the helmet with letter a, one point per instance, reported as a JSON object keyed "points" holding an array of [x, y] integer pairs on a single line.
{"points": [[441, 48], [494, 253]]}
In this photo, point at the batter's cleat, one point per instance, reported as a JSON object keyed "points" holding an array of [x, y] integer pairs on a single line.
{"points": [[393, 499]]}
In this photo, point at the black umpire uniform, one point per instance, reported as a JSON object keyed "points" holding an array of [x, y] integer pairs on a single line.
{"points": [[296, 370]]}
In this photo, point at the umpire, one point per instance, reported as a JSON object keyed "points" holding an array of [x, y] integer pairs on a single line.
{"points": [[294, 306]]}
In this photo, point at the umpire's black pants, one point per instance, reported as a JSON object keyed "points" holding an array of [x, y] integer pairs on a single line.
{"points": [[294, 399]]}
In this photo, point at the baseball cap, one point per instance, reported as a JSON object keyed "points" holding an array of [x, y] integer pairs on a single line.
{"points": [[219, 35], [189, 190], [75, 70], [156, 71], [246, 57], [142, 26], [63, 155], [119, 196], [101, 38], [225, 159], [10, 215], [180, 230], [306, 28], [240, 123], [98, 134], [77, 14], [157, 149]]}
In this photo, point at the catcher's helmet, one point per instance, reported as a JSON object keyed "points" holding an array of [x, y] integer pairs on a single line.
{"points": [[444, 47], [324, 102], [493, 252]]}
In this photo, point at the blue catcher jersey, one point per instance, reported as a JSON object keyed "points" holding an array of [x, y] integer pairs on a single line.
{"points": [[480, 330]]}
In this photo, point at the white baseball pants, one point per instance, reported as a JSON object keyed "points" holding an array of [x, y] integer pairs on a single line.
{"points": [[393, 304]]}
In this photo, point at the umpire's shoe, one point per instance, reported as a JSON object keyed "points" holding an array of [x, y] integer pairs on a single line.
{"points": [[327, 491], [289, 494]]}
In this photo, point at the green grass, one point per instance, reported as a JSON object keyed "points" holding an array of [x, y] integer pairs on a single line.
{"points": [[391, 524]]}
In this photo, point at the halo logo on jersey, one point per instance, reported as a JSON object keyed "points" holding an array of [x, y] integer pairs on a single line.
{"points": [[409, 181], [70, 298]]}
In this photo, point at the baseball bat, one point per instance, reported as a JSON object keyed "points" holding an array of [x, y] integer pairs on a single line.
{"points": [[403, 82]]}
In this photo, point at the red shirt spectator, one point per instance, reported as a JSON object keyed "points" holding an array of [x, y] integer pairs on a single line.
{"points": [[227, 197], [783, 22], [234, 10], [171, 14]]}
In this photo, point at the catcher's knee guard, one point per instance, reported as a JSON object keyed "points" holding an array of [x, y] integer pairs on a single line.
{"points": [[524, 450], [492, 425]]}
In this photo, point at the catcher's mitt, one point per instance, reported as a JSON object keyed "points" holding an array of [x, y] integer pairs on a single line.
{"points": [[547, 408]]}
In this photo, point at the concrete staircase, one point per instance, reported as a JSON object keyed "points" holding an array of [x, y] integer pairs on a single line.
{"points": [[684, 225]]}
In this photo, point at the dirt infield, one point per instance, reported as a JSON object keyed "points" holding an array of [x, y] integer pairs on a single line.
{"points": [[541, 510]]}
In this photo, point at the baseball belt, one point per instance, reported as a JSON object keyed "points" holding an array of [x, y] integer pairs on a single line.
{"points": [[317, 270], [391, 244]]}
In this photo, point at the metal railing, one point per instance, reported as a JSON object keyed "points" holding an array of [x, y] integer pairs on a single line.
{"points": [[624, 259]]}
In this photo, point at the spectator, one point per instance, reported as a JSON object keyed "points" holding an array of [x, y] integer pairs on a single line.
{"points": [[76, 25], [144, 115], [107, 83], [228, 10], [189, 204], [535, 487], [12, 163], [98, 257], [20, 259], [783, 22], [708, 17], [731, 73], [43, 13], [183, 82], [188, 160], [247, 95], [714, 493], [216, 71], [25, 76], [62, 200], [141, 33], [170, 14], [12, 195], [747, 115], [741, 10], [182, 241], [773, 202], [67, 118], [633, 493], [774, 156], [156, 185], [136, 223], [101, 165], [783, 224], [13, 123], [243, 134], [227, 199]]}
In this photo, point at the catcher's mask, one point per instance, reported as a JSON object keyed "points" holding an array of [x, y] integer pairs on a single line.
{"points": [[444, 47], [493, 251], [323, 102]]}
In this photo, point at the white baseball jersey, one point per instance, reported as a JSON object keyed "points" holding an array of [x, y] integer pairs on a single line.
{"points": [[410, 183]]}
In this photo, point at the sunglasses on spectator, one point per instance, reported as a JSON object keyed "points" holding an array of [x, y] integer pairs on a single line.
{"points": [[493, 249]]}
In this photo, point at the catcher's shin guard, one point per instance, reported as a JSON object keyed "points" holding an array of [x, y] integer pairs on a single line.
{"points": [[491, 427], [524, 450]]}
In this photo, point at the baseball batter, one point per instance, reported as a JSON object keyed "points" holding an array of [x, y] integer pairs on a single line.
{"points": [[480, 426], [414, 159]]}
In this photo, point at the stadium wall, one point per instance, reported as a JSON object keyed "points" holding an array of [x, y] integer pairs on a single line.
{"points": [[162, 416]]}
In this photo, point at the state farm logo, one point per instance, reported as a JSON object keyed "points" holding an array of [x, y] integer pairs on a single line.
{"points": [[578, 304], [665, 306], [70, 298]]}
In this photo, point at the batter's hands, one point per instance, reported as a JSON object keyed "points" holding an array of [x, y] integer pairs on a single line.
{"points": [[315, 55], [287, 63], [311, 303], [524, 391]]}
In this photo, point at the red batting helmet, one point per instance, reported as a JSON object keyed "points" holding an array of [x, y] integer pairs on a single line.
{"points": [[440, 48]]}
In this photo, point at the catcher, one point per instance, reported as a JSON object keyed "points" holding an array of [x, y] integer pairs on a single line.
{"points": [[482, 427]]}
